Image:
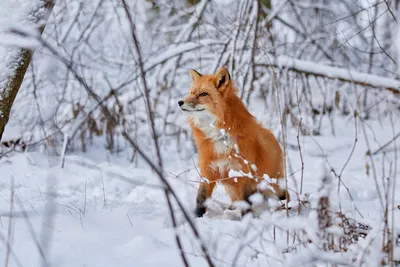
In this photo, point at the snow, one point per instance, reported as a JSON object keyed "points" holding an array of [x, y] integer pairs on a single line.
{"points": [[253, 167], [233, 173], [257, 198], [103, 213]]}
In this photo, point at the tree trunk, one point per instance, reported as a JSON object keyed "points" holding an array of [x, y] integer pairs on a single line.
{"points": [[11, 87]]}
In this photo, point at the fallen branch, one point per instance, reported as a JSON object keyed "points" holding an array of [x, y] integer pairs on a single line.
{"points": [[342, 74]]}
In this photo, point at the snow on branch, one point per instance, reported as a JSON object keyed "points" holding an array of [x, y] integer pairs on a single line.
{"points": [[342, 74]]}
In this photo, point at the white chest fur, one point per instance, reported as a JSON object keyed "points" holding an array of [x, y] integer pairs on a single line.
{"points": [[223, 142]]}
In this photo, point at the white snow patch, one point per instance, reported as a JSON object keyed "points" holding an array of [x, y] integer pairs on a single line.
{"points": [[233, 173]]}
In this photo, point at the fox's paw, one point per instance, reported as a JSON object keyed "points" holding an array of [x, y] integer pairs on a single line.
{"points": [[200, 211], [284, 194]]}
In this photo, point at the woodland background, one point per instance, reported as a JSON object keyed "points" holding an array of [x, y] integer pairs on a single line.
{"points": [[95, 123]]}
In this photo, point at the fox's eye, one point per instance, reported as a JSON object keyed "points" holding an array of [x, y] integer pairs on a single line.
{"points": [[203, 94]]}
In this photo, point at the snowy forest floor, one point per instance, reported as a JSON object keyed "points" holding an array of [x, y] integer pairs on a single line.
{"points": [[99, 210]]}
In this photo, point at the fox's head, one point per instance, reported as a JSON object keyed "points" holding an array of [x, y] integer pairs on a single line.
{"points": [[208, 94]]}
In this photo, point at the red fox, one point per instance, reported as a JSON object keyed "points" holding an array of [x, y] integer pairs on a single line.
{"points": [[229, 138]]}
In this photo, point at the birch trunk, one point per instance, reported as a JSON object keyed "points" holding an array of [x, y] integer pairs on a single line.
{"points": [[11, 87]]}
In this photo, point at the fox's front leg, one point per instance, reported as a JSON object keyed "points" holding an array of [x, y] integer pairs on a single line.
{"points": [[204, 192], [280, 193]]}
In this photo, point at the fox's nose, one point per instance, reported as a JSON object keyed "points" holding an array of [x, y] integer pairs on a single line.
{"points": [[180, 103]]}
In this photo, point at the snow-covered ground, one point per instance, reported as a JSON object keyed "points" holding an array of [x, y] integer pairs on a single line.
{"points": [[94, 212], [100, 209]]}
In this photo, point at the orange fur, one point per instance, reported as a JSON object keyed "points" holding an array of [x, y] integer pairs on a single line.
{"points": [[229, 137]]}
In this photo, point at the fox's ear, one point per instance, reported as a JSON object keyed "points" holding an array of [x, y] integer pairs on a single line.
{"points": [[222, 77], [194, 74]]}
